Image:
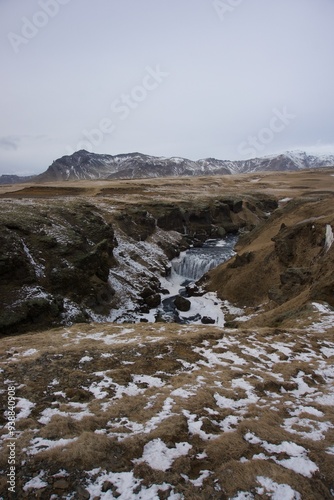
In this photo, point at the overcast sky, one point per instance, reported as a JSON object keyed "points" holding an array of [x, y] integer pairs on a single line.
{"points": [[230, 79]]}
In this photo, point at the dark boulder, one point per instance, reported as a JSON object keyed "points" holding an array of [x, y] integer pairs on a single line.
{"points": [[206, 320], [153, 300], [194, 290], [182, 304]]}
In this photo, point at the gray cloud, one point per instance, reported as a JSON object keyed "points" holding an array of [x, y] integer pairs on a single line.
{"points": [[13, 143], [9, 143], [78, 73]]}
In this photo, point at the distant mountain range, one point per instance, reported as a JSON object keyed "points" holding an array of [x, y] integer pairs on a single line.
{"points": [[15, 179], [83, 165]]}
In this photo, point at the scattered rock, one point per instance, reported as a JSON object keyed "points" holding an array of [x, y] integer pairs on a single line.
{"points": [[206, 320], [61, 484], [295, 276], [159, 318], [107, 485], [182, 304], [146, 292], [193, 290], [82, 493], [199, 243], [221, 232], [236, 206], [242, 260], [153, 300]]}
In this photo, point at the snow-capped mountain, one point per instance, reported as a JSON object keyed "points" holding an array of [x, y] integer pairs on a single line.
{"points": [[84, 165], [288, 161]]}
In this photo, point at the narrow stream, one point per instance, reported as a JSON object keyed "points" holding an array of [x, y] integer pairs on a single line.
{"points": [[188, 268]]}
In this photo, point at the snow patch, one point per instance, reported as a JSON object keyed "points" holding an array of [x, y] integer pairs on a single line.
{"points": [[36, 482], [86, 359], [25, 406], [278, 491], [38, 268], [312, 429], [39, 444], [297, 461], [29, 352], [127, 485], [198, 483], [159, 457], [48, 413], [326, 320], [147, 379], [329, 237]]}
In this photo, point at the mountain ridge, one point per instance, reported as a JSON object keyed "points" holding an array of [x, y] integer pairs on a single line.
{"points": [[84, 165]]}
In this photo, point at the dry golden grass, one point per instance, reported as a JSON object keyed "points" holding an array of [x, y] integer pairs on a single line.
{"points": [[291, 240], [280, 184], [207, 388]]}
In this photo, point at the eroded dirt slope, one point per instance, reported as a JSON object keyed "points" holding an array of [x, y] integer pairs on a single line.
{"points": [[284, 264]]}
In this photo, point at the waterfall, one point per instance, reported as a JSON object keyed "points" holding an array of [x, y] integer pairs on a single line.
{"points": [[187, 268], [195, 262], [194, 266]]}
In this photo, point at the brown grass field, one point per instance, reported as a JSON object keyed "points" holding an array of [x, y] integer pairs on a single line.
{"points": [[280, 184], [250, 404]]}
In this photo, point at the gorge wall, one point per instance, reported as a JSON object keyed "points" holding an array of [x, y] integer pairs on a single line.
{"points": [[282, 266], [76, 259]]}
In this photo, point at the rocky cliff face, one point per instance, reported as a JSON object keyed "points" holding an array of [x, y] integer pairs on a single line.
{"points": [[72, 260], [53, 256]]}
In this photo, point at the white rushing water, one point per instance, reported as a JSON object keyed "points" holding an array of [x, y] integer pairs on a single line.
{"points": [[195, 262], [187, 268]]}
